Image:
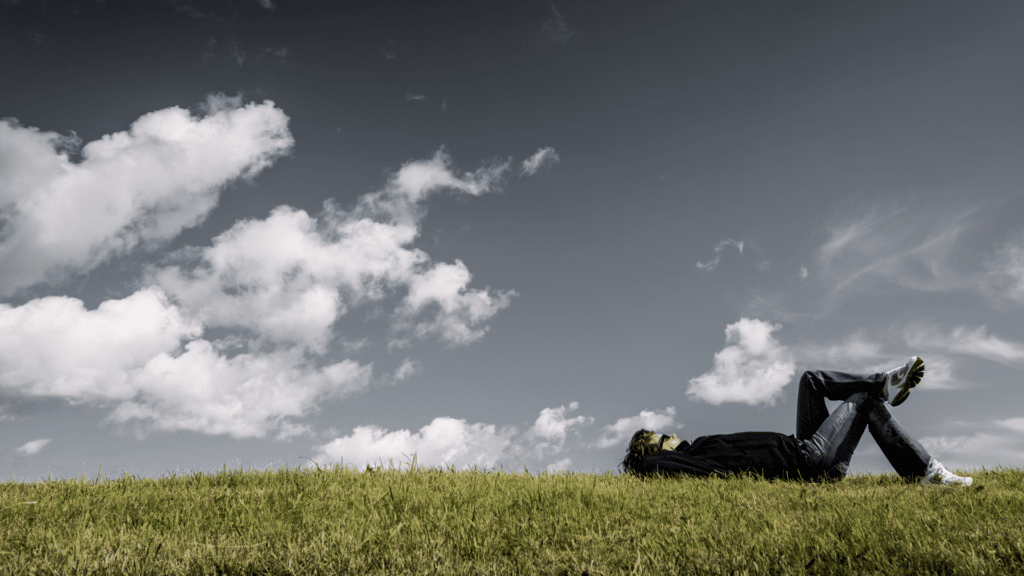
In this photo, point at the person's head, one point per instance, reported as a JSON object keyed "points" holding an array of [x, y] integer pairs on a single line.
{"points": [[644, 442]]}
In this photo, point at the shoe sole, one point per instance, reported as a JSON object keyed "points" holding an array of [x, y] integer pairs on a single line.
{"points": [[912, 378]]}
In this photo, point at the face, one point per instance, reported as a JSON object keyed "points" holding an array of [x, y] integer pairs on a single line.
{"points": [[663, 442]]}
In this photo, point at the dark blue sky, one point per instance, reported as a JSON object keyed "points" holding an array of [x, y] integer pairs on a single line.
{"points": [[839, 185]]}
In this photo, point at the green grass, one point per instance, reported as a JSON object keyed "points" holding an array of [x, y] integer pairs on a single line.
{"points": [[431, 521]]}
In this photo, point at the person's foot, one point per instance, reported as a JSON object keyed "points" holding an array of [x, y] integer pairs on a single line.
{"points": [[937, 475], [899, 381]]}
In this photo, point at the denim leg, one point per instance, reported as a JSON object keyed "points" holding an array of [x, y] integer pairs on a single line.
{"points": [[906, 455], [816, 385], [831, 447]]}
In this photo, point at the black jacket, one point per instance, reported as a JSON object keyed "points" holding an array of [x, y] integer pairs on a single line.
{"points": [[772, 454]]}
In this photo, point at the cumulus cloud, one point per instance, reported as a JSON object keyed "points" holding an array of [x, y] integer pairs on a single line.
{"points": [[442, 443], [543, 157], [548, 433], [53, 346], [33, 447], [713, 263], [622, 430], [137, 188], [271, 290], [455, 442], [126, 351], [753, 370], [290, 276]]}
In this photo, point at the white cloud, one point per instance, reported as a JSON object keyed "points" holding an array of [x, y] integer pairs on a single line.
{"points": [[412, 97], [124, 351], [53, 346], [548, 433], [243, 396], [559, 466], [1012, 424], [290, 276], [543, 157], [408, 369], [276, 285], [268, 4], [449, 441], [461, 313], [34, 447], [444, 442], [713, 263], [803, 272], [622, 430], [754, 370], [136, 188]]}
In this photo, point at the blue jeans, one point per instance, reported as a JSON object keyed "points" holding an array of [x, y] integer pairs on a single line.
{"points": [[828, 440]]}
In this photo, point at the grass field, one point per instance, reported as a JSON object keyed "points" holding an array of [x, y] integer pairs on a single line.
{"points": [[432, 521]]}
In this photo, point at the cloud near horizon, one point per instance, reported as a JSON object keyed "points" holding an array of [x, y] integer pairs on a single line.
{"points": [[622, 430], [753, 370], [997, 440], [447, 441], [274, 286]]}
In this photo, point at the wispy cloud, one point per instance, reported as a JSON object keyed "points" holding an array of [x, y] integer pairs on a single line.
{"points": [[278, 54], [753, 370], [239, 54], [415, 97], [268, 4], [1000, 442], [713, 263], [1003, 281], [963, 340], [905, 242], [555, 28], [543, 157], [33, 447], [408, 369]]}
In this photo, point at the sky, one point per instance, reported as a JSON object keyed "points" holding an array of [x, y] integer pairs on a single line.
{"points": [[282, 233]]}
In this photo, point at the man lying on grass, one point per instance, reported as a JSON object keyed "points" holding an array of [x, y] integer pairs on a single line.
{"points": [[823, 444]]}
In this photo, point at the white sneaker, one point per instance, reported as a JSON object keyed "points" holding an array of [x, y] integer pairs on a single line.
{"points": [[937, 475], [899, 381]]}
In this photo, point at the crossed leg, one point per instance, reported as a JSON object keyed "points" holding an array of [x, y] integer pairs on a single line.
{"points": [[830, 439]]}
